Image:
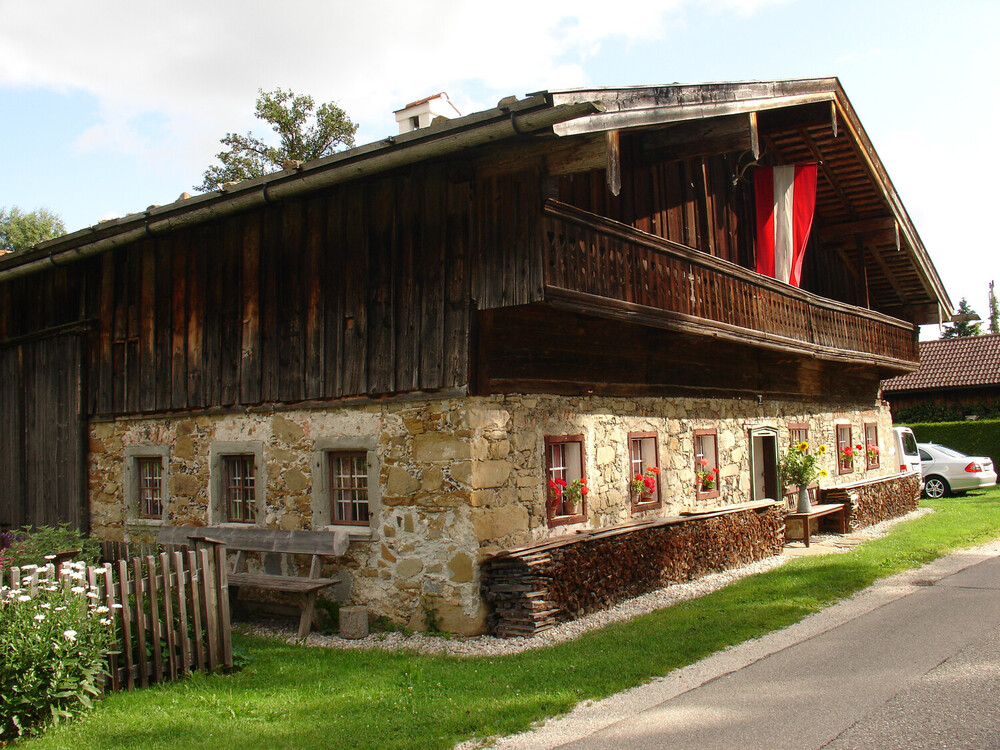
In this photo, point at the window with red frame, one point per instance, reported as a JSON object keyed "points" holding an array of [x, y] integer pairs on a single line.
{"points": [[150, 471], [873, 452], [564, 462], [644, 462], [845, 449], [706, 464], [240, 490]]}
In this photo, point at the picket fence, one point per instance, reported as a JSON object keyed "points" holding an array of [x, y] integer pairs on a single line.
{"points": [[174, 613]]}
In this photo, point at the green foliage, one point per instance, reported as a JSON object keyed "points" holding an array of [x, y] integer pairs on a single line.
{"points": [[994, 315], [54, 644], [289, 115], [980, 438], [296, 696], [331, 619], [30, 545], [947, 412], [800, 467], [432, 623], [963, 328], [20, 230]]}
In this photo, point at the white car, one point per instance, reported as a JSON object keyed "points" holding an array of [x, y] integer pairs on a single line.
{"points": [[948, 471]]}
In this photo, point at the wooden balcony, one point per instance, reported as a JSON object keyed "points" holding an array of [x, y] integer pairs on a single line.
{"points": [[602, 267]]}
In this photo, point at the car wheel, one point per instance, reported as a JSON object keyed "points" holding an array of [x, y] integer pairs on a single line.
{"points": [[935, 487]]}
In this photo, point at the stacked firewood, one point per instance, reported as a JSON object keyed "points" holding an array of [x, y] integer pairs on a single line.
{"points": [[874, 501], [535, 587]]}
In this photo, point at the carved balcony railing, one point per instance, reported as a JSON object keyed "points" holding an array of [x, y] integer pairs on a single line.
{"points": [[608, 267]]}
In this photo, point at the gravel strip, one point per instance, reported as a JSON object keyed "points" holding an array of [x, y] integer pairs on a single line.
{"points": [[485, 645]]}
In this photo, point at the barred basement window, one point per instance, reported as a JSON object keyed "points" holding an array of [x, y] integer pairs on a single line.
{"points": [[348, 474], [145, 483], [240, 489], [150, 487]]}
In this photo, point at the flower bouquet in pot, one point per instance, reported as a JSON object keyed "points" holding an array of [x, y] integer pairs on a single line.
{"points": [[800, 467], [568, 495], [706, 478], [644, 485]]}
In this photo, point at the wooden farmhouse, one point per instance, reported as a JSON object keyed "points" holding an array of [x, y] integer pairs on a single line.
{"points": [[958, 378], [406, 342]]}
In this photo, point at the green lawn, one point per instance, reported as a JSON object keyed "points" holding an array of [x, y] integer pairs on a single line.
{"points": [[297, 697]]}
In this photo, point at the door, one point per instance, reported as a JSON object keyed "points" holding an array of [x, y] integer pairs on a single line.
{"points": [[43, 470], [764, 464]]}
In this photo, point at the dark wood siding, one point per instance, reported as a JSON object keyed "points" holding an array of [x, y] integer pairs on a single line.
{"points": [[42, 433]]}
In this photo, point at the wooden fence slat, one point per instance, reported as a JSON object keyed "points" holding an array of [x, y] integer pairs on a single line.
{"points": [[140, 622], [126, 621], [211, 621], [182, 612], [155, 627], [221, 570], [168, 615], [109, 602], [196, 610]]}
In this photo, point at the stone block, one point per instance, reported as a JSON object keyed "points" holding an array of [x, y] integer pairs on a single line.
{"points": [[439, 446], [353, 622], [461, 568], [286, 431], [400, 482], [486, 474], [493, 523]]}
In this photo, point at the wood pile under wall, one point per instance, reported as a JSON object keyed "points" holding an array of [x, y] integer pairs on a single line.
{"points": [[536, 587], [877, 500]]}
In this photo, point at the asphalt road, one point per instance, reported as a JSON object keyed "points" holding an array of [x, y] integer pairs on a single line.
{"points": [[913, 662]]}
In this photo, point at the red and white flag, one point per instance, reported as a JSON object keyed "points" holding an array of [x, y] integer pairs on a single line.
{"points": [[786, 202]]}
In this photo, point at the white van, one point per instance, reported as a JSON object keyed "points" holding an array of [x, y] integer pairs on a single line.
{"points": [[907, 452]]}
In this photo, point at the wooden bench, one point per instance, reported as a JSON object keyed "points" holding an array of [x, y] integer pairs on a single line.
{"points": [[304, 590], [834, 510]]}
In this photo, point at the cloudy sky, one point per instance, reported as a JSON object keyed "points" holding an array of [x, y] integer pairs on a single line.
{"points": [[110, 106]]}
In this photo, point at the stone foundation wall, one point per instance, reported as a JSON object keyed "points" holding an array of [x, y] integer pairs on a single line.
{"points": [[457, 480]]}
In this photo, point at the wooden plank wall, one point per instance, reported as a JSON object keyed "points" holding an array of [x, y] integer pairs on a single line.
{"points": [[42, 438], [691, 200], [363, 290]]}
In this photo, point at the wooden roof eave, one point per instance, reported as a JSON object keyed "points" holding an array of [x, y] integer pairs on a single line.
{"points": [[508, 120], [907, 232]]}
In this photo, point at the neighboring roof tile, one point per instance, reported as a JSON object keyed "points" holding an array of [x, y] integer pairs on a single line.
{"points": [[953, 363]]}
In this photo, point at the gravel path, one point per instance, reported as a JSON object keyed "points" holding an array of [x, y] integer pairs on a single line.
{"points": [[485, 645]]}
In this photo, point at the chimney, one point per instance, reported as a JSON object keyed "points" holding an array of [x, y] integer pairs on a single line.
{"points": [[423, 112]]}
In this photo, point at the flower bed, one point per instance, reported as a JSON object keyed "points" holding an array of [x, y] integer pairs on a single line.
{"points": [[54, 637]]}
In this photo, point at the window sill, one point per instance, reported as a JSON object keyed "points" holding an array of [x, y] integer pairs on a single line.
{"points": [[354, 533], [566, 520]]}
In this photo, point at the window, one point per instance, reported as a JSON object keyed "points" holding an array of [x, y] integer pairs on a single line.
{"points": [[240, 489], [643, 452], [564, 463], [145, 483], [150, 487], [237, 482], [872, 450], [348, 474], [706, 464], [345, 489], [798, 432], [845, 449]]}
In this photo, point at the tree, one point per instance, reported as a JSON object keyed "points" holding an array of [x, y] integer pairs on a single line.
{"points": [[966, 323], [289, 115], [994, 312], [20, 230]]}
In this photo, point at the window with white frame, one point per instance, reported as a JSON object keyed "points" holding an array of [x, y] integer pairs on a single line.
{"points": [[349, 487], [845, 449]]}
